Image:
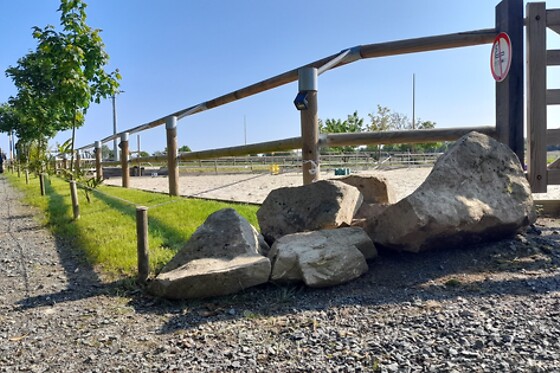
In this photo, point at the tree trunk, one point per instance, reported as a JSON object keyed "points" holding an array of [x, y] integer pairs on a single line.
{"points": [[72, 148]]}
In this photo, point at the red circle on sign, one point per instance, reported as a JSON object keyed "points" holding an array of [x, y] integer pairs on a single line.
{"points": [[500, 58]]}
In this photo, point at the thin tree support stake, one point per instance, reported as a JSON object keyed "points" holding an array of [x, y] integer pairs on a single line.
{"points": [[98, 159], [74, 195], [42, 183], [142, 243]]}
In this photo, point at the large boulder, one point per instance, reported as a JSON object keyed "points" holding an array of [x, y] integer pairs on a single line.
{"points": [[476, 191], [375, 189], [225, 255], [325, 204], [321, 258]]}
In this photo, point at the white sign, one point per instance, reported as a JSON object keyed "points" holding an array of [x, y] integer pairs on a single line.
{"points": [[500, 59]]}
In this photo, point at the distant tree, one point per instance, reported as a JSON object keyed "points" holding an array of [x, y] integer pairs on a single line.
{"points": [[184, 149], [386, 120], [106, 152], [353, 123], [8, 118], [380, 121]]}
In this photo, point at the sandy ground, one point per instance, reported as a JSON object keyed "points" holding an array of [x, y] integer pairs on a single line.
{"points": [[253, 188]]}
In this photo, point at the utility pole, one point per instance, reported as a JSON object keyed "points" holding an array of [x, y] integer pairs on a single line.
{"points": [[413, 101], [245, 128], [11, 145], [115, 145]]}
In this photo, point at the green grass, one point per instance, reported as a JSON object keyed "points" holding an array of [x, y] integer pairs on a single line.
{"points": [[105, 234]]}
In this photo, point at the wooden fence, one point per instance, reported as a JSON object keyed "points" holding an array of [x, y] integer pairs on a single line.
{"points": [[509, 104], [539, 97]]}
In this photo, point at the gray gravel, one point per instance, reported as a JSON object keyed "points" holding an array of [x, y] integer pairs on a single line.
{"points": [[491, 308]]}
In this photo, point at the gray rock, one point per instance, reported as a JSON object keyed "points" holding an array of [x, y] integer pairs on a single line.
{"points": [[223, 256], [476, 191], [322, 258], [325, 204], [374, 188]]}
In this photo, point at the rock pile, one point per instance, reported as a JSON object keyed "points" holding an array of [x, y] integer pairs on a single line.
{"points": [[476, 191]]}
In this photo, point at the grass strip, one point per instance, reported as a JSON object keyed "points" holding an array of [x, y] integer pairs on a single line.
{"points": [[105, 234]]}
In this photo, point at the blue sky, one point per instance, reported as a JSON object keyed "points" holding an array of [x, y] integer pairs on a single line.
{"points": [[173, 54]]}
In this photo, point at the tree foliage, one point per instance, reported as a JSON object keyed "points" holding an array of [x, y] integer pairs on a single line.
{"points": [[384, 119], [353, 123], [58, 81]]}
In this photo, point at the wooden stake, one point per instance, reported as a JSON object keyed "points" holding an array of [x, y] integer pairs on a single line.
{"points": [[74, 195], [42, 183], [98, 158], [142, 243]]}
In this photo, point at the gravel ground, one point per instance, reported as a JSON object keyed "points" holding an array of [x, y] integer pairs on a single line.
{"points": [[490, 308]]}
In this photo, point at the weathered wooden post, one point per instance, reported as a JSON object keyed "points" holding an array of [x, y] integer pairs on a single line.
{"points": [[124, 160], [74, 195], [536, 97], [142, 243], [18, 170], [98, 156], [42, 183], [26, 176], [509, 92], [306, 103], [171, 128]]}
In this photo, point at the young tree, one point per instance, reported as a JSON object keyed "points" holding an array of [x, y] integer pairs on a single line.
{"points": [[59, 80], [353, 123]]}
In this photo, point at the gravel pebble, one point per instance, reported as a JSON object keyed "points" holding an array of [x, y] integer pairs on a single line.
{"points": [[484, 309]]}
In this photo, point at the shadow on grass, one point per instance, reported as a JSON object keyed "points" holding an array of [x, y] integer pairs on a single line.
{"points": [[82, 280], [493, 269]]}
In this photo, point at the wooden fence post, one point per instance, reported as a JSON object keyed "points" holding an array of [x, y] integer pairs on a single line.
{"points": [[536, 97], [75, 203], [142, 243], [309, 125], [171, 129], [509, 92], [42, 183], [26, 176], [124, 160], [98, 157]]}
